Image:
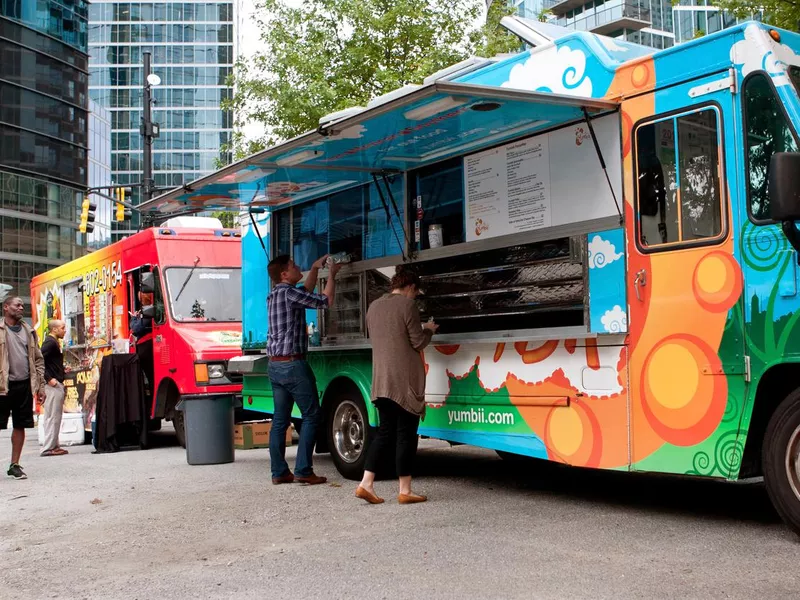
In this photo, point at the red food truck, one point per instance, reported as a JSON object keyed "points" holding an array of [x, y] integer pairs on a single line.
{"points": [[185, 277]]}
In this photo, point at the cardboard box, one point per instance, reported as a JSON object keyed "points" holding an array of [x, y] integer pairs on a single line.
{"points": [[255, 434]]}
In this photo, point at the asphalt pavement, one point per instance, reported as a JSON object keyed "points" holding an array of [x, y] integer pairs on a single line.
{"points": [[145, 524]]}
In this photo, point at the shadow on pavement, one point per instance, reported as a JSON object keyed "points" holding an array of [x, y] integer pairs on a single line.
{"points": [[639, 491]]}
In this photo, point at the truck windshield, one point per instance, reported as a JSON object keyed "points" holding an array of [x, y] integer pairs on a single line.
{"points": [[209, 294], [794, 75]]}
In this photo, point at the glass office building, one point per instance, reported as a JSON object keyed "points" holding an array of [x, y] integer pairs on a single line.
{"points": [[100, 173], [192, 49], [43, 128], [657, 23]]}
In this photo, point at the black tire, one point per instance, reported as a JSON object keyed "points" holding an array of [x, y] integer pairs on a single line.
{"points": [[349, 434], [781, 460], [178, 424]]}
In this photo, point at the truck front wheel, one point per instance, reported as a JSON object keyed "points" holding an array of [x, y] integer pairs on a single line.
{"points": [[178, 424], [349, 433], [781, 460]]}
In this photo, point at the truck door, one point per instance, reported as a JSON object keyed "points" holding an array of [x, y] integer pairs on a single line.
{"points": [[684, 280]]}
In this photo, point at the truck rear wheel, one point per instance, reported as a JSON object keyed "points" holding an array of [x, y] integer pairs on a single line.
{"points": [[349, 433], [781, 460]]}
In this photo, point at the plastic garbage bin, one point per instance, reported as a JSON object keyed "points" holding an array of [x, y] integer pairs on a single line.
{"points": [[208, 423]]}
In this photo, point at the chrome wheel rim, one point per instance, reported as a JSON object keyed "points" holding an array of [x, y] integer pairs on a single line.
{"points": [[348, 431], [793, 462]]}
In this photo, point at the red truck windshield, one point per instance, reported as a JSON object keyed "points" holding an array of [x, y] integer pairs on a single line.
{"points": [[204, 294]]}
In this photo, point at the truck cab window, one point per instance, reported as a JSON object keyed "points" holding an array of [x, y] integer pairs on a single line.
{"points": [[679, 197], [766, 132]]}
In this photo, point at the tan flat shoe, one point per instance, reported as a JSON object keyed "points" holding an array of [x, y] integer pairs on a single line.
{"points": [[368, 496], [411, 498]]}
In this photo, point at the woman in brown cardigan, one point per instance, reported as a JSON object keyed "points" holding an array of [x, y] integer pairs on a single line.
{"points": [[398, 381]]}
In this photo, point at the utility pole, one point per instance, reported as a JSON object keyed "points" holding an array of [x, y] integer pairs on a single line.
{"points": [[148, 129]]}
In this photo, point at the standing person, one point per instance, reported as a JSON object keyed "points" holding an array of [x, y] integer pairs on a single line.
{"points": [[21, 378], [398, 382], [291, 376], [54, 392], [142, 330]]}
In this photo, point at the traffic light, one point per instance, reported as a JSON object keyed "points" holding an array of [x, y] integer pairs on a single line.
{"points": [[87, 215], [123, 213]]}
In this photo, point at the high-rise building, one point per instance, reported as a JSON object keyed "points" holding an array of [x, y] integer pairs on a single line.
{"points": [[657, 23], [192, 48], [100, 173], [43, 136]]}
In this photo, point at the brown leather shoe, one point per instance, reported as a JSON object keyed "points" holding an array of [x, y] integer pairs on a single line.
{"points": [[368, 496], [288, 478], [311, 479], [410, 498]]}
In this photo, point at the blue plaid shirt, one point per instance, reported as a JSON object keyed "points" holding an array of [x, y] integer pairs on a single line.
{"points": [[286, 314]]}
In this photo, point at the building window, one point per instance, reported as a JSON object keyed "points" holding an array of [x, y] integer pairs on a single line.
{"points": [[678, 168]]}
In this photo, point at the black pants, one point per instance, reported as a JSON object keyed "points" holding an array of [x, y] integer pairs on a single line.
{"points": [[144, 350], [398, 427]]}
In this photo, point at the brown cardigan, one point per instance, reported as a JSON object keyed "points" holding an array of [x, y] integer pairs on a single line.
{"points": [[397, 338]]}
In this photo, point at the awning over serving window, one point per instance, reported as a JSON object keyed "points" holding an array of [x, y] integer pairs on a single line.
{"points": [[413, 129]]}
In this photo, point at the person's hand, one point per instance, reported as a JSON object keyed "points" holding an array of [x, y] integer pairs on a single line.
{"points": [[320, 262], [431, 326], [40, 396], [335, 268], [53, 382]]}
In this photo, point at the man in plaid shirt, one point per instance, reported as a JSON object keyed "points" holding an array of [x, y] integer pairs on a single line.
{"points": [[291, 376]]}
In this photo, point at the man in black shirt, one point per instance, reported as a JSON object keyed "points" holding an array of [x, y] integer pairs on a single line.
{"points": [[54, 392]]}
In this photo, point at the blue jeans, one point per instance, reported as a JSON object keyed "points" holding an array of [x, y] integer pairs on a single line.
{"points": [[293, 381]]}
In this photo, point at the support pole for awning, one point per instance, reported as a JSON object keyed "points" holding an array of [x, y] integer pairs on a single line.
{"points": [[389, 215], [253, 221], [602, 163]]}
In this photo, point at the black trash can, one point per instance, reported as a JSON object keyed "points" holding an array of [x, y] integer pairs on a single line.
{"points": [[208, 425]]}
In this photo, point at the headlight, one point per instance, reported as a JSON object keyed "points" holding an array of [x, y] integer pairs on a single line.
{"points": [[216, 371], [205, 372]]}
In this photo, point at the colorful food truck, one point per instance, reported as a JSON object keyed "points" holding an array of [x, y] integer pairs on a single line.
{"points": [[188, 267], [606, 238]]}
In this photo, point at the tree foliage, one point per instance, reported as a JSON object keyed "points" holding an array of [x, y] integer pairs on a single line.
{"points": [[780, 13], [227, 218], [328, 55]]}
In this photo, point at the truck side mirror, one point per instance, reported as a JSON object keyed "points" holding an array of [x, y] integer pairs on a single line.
{"points": [[149, 311], [784, 194], [148, 283]]}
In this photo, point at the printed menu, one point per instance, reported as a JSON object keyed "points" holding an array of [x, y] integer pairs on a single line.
{"points": [[508, 189]]}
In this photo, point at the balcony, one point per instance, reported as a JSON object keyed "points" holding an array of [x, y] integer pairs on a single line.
{"points": [[606, 18]]}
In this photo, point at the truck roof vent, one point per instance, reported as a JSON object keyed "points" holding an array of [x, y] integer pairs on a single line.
{"points": [[389, 96], [193, 222], [339, 115]]}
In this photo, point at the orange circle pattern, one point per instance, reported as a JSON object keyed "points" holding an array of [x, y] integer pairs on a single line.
{"points": [[683, 410], [573, 434], [717, 281]]}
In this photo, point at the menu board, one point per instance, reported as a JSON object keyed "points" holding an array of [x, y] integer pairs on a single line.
{"points": [[508, 189]]}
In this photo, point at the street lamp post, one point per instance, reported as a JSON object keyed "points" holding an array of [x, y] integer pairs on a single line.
{"points": [[148, 129]]}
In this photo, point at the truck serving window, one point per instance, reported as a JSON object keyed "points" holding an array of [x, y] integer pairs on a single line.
{"points": [[679, 196], [766, 132], [354, 222], [204, 294]]}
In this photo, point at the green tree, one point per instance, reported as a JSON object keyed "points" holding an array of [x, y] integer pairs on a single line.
{"points": [[228, 219], [328, 55], [780, 13]]}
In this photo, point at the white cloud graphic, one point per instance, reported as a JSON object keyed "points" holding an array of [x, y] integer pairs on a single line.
{"points": [[615, 320], [558, 70], [757, 51], [611, 45], [602, 253]]}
